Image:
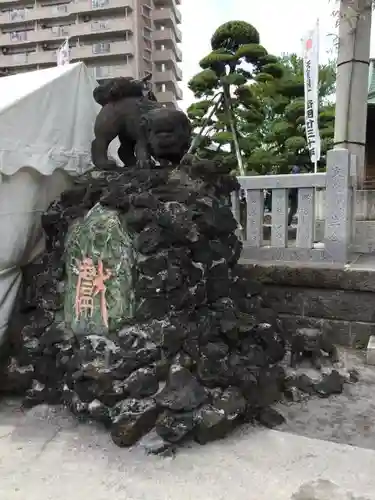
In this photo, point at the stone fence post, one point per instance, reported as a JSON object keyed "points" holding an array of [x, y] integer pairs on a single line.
{"points": [[339, 205]]}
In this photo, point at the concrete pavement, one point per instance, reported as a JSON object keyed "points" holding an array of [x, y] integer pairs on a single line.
{"points": [[45, 454]]}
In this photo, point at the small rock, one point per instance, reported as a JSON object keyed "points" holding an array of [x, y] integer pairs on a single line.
{"points": [[99, 412], [141, 383], [132, 419], [232, 402], [211, 424], [330, 384], [154, 444], [173, 427], [270, 418], [354, 376], [305, 384], [182, 391]]}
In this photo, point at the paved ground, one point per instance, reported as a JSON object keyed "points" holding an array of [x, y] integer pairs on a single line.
{"points": [[45, 454]]}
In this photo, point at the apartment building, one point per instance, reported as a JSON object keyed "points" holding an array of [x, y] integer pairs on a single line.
{"points": [[114, 37]]}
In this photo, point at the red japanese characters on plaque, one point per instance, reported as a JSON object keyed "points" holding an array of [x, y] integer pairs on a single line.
{"points": [[91, 282]]}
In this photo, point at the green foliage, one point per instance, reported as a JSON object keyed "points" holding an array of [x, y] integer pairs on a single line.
{"points": [[233, 34], [253, 53], [204, 83], [237, 60], [281, 136], [267, 100]]}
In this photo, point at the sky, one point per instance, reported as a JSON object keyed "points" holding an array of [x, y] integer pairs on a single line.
{"points": [[281, 25]]}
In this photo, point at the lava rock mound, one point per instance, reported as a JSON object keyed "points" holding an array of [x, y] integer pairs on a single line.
{"points": [[196, 354]]}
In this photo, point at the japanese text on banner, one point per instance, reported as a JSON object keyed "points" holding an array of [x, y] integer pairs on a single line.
{"points": [[311, 82]]}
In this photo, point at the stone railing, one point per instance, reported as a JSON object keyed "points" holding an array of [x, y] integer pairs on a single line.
{"points": [[334, 245]]}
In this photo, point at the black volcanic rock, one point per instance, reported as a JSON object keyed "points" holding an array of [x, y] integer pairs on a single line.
{"points": [[197, 354]]}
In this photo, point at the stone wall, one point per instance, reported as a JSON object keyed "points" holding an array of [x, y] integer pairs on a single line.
{"points": [[340, 301]]}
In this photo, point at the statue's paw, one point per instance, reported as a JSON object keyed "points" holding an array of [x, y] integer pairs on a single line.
{"points": [[144, 164]]}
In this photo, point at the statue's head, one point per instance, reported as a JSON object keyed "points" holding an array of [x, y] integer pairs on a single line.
{"points": [[169, 133], [118, 88]]}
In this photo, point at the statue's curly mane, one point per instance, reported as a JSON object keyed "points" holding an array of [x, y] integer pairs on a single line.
{"points": [[116, 89]]}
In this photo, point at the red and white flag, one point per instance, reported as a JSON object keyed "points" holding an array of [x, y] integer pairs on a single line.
{"points": [[311, 81], [63, 53]]}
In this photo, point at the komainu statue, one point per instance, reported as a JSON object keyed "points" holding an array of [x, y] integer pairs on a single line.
{"points": [[144, 127]]}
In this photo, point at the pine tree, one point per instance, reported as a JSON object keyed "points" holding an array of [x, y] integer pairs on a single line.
{"points": [[236, 62]]}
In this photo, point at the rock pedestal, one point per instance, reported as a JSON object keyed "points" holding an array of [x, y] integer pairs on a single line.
{"points": [[138, 316]]}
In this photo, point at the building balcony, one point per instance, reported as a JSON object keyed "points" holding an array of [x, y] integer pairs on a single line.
{"points": [[30, 37], [169, 31], [97, 50], [167, 17], [179, 93], [83, 6], [113, 71], [167, 97], [163, 35], [164, 76], [167, 38], [179, 73], [166, 55], [167, 3], [13, 4], [17, 16], [169, 75], [28, 59], [101, 50], [114, 25]]}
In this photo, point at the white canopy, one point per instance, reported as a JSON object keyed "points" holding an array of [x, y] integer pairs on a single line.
{"points": [[47, 119], [46, 128]]}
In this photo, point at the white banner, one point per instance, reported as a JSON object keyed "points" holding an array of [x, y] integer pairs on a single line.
{"points": [[63, 53], [311, 80]]}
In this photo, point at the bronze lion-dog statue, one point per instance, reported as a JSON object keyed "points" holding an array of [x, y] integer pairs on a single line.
{"points": [[145, 128]]}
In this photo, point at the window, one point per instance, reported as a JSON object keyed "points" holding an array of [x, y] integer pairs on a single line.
{"points": [[18, 36], [17, 15], [99, 25], [98, 4], [60, 31], [147, 33], [60, 9], [101, 48]]}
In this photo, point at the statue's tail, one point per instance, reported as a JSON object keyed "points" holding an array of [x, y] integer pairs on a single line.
{"points": [[116, 89]]}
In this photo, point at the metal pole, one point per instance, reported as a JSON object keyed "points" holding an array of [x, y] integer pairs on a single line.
{"points": [[352, 79]]}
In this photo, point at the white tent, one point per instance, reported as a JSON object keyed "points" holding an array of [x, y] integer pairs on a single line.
{"points": [[46, 129]]}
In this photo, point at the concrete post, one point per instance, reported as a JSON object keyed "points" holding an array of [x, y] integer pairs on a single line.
{"points": [[352, 79], [339, 213]]}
